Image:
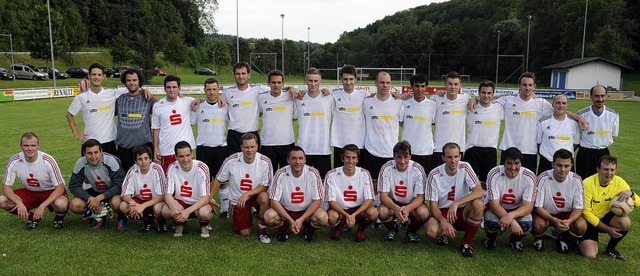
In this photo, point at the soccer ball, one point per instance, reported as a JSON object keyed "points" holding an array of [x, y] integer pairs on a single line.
{"points": [[621, 208]]}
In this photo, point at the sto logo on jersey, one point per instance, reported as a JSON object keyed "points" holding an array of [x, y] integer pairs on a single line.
{"points": [[350, 195], [451, 196], [509, 198], [559, 200], [246, 184], [33, 182], [175, 119], [297, 197], [100, 185], [401, 191], [145, 193], [185, 190]]}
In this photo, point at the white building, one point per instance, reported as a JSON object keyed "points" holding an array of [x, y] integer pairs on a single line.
{"points": [[584, 73]]}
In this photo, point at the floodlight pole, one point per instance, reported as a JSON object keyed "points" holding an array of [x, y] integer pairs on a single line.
{"points": [[282, 41], [584, 28], [308, 48], [11, 44], [528, 38], [53, 64], [237, 34], [497, 58]]}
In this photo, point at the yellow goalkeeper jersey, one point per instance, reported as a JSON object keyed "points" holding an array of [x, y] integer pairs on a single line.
{"points": [[597, 199]]}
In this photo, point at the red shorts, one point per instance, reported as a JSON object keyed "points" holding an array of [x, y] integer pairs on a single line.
{"points": [[166, 161], [293, 215], [460, 223], [359, 217], [185, 206], [562, 216], [140, 201], [242, 217], [33, 199]]}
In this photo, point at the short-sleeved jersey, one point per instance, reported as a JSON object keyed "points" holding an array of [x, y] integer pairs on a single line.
{"points": [[403, 187], [295, 194], [173, 119], [348, 191], [188, 186], [559, 197], [245, 177], [314, 124], [105, 178], [382, 120], [483, 126], [97, 113], [597, 199], [554, 134], [521, 120], [510, 192], [450, 121], [145, 186], [243, 107], [348, 125], [212, 124], [43, 174], [416, 127], [445, 189], [134, 120], [602, 128], [277, 119]]}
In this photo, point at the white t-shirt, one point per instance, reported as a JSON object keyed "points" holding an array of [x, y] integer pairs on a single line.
{"points": [[416, 128], [191, 186], [41, 175], [511, 191], [602, 128], [245, 177], [173, 119], [403, 187], [382, 120], [277, 119], [521, 121], [145, 186], [212, 124], [295, 194], [483, 126], [243, 107], [446, 189], [450, 121], [559, 197], [554, 135], [97, 113], [348, 125], [314, 123], [349, 191]]}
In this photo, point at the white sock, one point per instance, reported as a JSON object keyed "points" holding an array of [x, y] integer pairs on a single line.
{"points": [[376, 200], [224, 199]]}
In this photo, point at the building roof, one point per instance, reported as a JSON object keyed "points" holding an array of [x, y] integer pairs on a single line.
{"points": [[579, 61]]}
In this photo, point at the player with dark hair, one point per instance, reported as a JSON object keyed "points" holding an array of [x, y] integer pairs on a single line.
{"points": [[555, 132], [276, 109], [419, 115]]}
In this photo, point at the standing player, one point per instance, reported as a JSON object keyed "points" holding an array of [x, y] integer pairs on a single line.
{"points": [[143, 190], [171, 123], [556, 132], [350, 195], [455, 196], [296, 194], [483, 130], [401, 185], [42, 181], [188, 191], [559, 202], [419, 114], [249, 174], [276, 108], [212, 121], [604, 124], [104, 174], [511, 191], [599, 189], [314, 112]]}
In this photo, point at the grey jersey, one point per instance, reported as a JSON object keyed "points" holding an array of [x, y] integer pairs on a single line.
{"points": [[134, 120], [105, 178]]}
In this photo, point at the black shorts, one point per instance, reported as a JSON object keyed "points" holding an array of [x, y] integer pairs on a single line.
{"points": [[234, 140], [95, 193], [587, 161], [213, 157], [322, 163], [127, 159], [424, 161], [482, 160], [373, 163], [529, 161], [277, 154], [593, 232]]}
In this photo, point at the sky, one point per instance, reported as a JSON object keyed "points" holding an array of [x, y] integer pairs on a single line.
{"points": [[328, 19]]}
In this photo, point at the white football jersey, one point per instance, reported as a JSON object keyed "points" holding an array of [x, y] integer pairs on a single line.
{"points": [[212, 124], [173, 119], [243, 107], [554, 135], [349, 191], [277, 119], [483, 126], [145, 186], [416, 127], [403, 187], [450, 121], [244, 177], [97, 112], [41, 175], [382, 120], [191, 186], [559, 197], [314, 124], [521, 121], [602, 128], [295, 194], [445, 189], [511, 191], [348, 125]]}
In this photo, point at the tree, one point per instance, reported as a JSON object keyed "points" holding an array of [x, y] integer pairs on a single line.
{"points": [[38, 42], [176, 51], [609, 45], [120, 50]]}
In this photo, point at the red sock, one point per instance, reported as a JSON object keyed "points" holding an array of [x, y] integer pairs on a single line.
{"points": [[391, 224], [492, 236], [262, 226], [415, 225], [364, 224], [58, 217], [470, 231]]}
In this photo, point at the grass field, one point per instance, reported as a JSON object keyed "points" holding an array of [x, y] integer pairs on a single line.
{"points": [[78, 250]]}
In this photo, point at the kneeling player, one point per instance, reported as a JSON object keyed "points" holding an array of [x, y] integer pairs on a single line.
{"points": [[43, 184], [350, 195], [510, 189], [599, 189], [455, 196], [559, 202], [188, 191], [401, 184], [143, 190], [296, 194]]}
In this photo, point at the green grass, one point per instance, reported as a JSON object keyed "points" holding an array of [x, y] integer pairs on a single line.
{"points": [[77, 250]]}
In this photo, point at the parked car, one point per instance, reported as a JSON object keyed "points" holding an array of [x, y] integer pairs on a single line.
{"points": [[5, 75], [111, 73], [49, 71], [77, 72], [205, 71], [26, 71], [157, 72]]}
